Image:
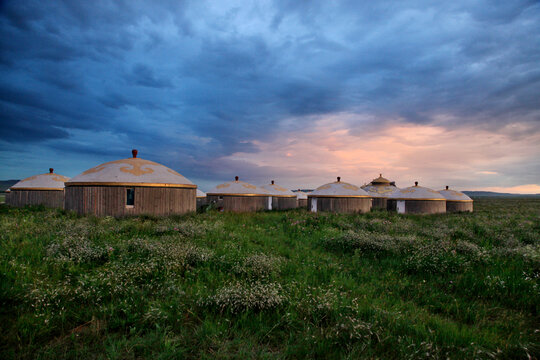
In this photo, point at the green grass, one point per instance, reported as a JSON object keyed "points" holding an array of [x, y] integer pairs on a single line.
{"points": [[272, 285], [2, 198]]}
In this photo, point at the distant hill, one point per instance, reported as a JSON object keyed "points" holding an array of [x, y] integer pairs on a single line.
{"points": [[5, 184], [501, 195]]}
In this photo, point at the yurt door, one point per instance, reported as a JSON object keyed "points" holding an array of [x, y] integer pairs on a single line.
{"points": [[313, 204], [401, 207], [269, 206]]}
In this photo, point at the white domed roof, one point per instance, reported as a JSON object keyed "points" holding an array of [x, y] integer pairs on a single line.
{"points": [[238, 188], [417, 193], [453, 195], [380, 191], [300, 195], [47, 181], [277, 190], [200, 194], [338, 189], [132, 172]]}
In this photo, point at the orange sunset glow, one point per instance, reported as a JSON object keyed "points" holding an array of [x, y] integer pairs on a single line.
{"points": [[434, 155]]}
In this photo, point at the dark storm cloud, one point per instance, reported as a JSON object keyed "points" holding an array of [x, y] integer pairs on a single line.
{"points": [[307, 98], [24, 126], [206, 79], [143, 75], [105, 152]]}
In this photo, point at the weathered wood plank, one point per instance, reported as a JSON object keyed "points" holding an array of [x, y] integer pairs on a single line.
{"points": [[111, 200]]}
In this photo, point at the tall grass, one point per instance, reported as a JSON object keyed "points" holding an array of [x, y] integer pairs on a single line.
{"points": [[272, 285]]}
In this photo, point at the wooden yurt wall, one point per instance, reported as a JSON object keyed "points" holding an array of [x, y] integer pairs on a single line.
{"points": [[201, 201], [284, 203], [49, 198], [425, 206], [391, 205], [459, 206], [239, 203], [379, 203], [302, 203], [111, 200], [343, 205]]}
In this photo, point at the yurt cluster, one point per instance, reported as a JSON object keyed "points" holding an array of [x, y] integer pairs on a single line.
{"points": [[134, 186]]}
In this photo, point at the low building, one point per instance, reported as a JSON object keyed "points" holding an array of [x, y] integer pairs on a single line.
{"points": [[6, 196], [239, 196], [339, 197], [282, 198], [417, 200], [457, 201], [302, 198], [43, 189], [201, 199], [130, 186], [380, 189]]}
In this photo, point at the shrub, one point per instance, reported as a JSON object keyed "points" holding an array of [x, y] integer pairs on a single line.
{"points": [[369, 243], [258, 265], [347, 241], [472, 252], [239, 297], [193, 228], [436, 258], [172, 253], [255, 265], [318, 304], [76, 250]]}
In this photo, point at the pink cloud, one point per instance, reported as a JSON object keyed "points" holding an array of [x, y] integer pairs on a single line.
{"points": [[433, 155]]}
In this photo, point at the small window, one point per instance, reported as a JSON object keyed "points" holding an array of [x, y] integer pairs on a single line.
{"points": [[220, 197], [130, 197]]}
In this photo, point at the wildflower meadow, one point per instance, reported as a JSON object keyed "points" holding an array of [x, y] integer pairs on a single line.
{"points": [[272, 285]]}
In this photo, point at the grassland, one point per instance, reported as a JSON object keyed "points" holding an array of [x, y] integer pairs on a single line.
{"points": [[272, 285]]}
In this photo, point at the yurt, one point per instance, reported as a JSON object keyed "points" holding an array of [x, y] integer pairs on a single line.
{"points": [[239, 196], [417, 200], [44, 189], [380, 189], [282, 198], [302, 198], [201, 199], [6, 196], [457, 201], [130, 186], [339, 197]]}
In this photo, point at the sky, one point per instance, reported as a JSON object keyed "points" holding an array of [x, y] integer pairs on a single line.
{"points": [[443, 93]]}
